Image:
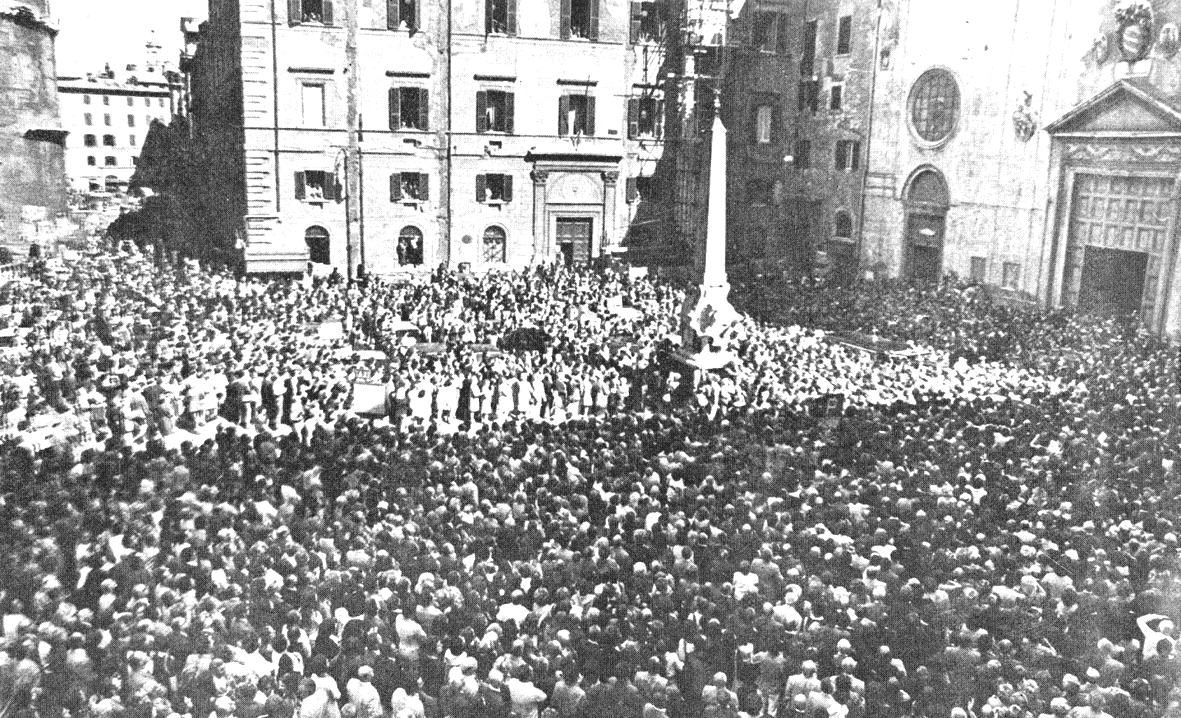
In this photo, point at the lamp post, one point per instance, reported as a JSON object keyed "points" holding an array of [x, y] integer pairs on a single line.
{"points": [[348, 218]]}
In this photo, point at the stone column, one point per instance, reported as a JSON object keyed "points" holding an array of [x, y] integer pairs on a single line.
{"points": [[540, 242], [608, 230]]}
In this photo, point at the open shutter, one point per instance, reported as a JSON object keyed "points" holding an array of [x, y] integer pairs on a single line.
{"points": [[481, 111], [481, 187], [659, 119], [294, 12], [392, 14], [396, 187], [327, 12], [565, 18], [511, 7], [507, 184], [487, 17], [415, 13], [424, 187], [509, 112], [632, 190], [777, 123], [855, 155], [395, 109], [594, 20], [590, 115], [633, 118], [754, 125], [564, 115], [330, 186], [781, 34], [637, 21], [299, 186], [424, 109]]}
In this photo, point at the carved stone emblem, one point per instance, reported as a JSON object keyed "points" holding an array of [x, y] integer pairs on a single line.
{"points": [[1168, 43], [1025, 119], [1135, 29], [1101, 48]]}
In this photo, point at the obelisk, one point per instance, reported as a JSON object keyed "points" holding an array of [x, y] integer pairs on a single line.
{"points": [[707, 313]]}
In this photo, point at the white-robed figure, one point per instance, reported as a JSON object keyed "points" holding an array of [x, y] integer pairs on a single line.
{"points": [[422, 398]]}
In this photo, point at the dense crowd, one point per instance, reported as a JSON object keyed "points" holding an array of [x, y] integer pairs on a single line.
{"points": [[196, 522]]}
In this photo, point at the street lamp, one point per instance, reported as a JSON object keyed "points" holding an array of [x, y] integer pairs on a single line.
{"points": [[343, 192]]}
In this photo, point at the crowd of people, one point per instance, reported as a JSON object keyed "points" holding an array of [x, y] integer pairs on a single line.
{"points": [[197, 522]]}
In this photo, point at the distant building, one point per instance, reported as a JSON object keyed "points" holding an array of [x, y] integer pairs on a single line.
{"points": [[32, 170], [108, 116]]}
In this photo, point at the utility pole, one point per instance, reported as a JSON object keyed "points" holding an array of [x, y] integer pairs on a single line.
{"points": [[352, 174]]}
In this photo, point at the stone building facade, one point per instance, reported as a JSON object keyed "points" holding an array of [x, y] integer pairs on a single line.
{"points": [[403, 134], [32, 165]]}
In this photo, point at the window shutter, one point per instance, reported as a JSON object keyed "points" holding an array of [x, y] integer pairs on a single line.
{"points": [[294, 12], [777, 123], [481, 187], [637, 21], [415, 19], [396, 187], [424, 187], [392, 14], [564, 113], [659, 119], [395, 109], [632, 191], [487, 17], [509, 112], [508, 187], [565, 31], [299, 185], [754, 124], [330, 185], [594, 20], [590, 115], [512, 17], [482, 111], [327, 12], [424, 109], [633, 118], [855, 155], [840, 164]]}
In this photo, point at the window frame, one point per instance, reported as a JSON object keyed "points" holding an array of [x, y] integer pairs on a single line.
{"points": [[503, 244], [485, 184], [844, 35], [840, 217], [110, 161], [568, 116], [836, 97], [505, 120], [764, 124], [397, 100], [420, 235], [975, 264], [636, 128], [1012, 281], [566, 20], [304, 85], [89, 140], [847, 155], [921, 91], [394, 15], [328, 189], [421, 185], [505, 26]]}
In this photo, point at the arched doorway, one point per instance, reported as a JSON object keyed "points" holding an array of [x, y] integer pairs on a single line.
{"points": [[926, 203], [319, 245]]}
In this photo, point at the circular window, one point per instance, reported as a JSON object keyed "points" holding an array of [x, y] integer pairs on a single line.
{"points": [[934, 105]]}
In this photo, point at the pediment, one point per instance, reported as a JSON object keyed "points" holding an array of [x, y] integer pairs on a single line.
{"points": [[1125, 106]]}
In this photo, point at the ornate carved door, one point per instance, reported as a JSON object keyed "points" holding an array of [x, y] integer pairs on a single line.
{"points": [[574, 235]]}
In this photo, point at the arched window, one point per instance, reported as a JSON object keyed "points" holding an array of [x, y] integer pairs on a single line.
{"points": [[319, 245], [495, 244], [410, 246], [934, 105], [844, 224]]}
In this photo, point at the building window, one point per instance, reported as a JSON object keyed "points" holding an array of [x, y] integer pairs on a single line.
{"points": [[88, 119], [92, 161], [494, 111], [764, 124], [580, 19], [843, 225], [848, 154], [409, 187], [809, 92], [409, 108], [111, 183], [131, 140], [495, 245], [576, 115], [106, 99], [131, 120], [134, 160], [315, 186], [647, 22], [312, 94], [645, 117], [161, 103], [500, 17], [641, 189], [836, 98], [976, 269], [1010, 275], [89, 140], [110, 161], [402, 15], [494, 188], [309, 11], [934, 105], [319, 244], [759, 192], [802, 159], [769, 32], [86, 99], [130, 101], [108, 140], [808, 51], [410, 246], [845, 35], [107, 120], [147, 102]]}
